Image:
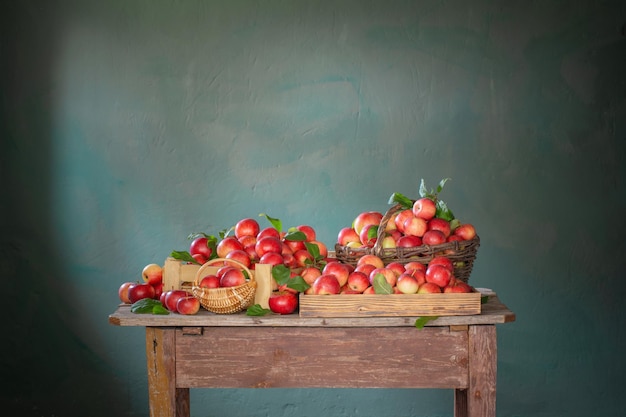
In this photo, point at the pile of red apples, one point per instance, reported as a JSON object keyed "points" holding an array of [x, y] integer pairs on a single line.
{"points": [[407, 228], [411, 278]]}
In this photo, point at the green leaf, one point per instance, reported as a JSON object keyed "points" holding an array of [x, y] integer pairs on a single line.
{"points": [[314, 250], [144, 306], [381, 286], [443, 211], [372, 233], [281, 274], [159, 309], [296, 236], [257, 310], [441, 184], [278, 225], [422, 321], [423, 190], [403, 200], [298, 283], [183, 256]]}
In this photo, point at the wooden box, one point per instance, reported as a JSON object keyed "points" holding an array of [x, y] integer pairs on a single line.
{"points": [[180, 275], [390, 305]]}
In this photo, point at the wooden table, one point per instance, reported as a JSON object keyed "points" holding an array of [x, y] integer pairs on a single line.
{"points": [[236, 351]]}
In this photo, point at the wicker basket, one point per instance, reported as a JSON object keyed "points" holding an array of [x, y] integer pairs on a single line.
{"points": [[224, 300], [461, 253]]}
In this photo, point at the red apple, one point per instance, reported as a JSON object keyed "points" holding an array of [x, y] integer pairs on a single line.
{"points": [[232, 278], [418, 274], [396, 267], [326, 284], [308, 231], [442, 260], [453, 238], [200, 246], [439, 275], [388, 242], [295, 245], [442, 225], [415, 226], [241, 256], [407, 284], [268, 244], [413, 265], [310, 273], [429, 288], [433, 237], [268, 231], [228, 244], [283, 302], [272, 258], [389, 275], [466, 231], [139, 291], [408, 241], [369, 235], [348, 291], [424, 208], [209, 281], [457, 287], [152, 274], [172, 297], [303, 258], [123, 292], [358, 281], [246, 227], [200, 258], [365, 218], [401, 217], [339, 270], [369, 290], [371, 259], [365, 268], [347, 235], [188, 305], [247, 241]]}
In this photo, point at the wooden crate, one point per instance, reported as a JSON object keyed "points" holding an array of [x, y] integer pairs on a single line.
{"points": [[181, 275], [391, 305]]}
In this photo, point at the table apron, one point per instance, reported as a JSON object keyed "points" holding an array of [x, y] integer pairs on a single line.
{"points": [[280, 357]]}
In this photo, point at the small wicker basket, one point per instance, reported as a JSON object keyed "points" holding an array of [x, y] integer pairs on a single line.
{"points": [[461, 253], [224, 300]]}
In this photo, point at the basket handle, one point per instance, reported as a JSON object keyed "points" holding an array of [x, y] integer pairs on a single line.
{"points": [[377, 249], [210, 262]]}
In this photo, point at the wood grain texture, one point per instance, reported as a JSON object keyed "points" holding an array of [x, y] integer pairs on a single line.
{"points": [[165, 398], [377, 305], [329, 357], [481, 394]]}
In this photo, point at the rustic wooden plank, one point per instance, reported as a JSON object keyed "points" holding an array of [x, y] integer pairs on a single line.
{"points": [[166, 400], [247, 357], [481, 394], [492, 312], [390, 305]]}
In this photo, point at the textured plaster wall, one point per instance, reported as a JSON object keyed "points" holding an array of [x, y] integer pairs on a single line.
{"points": [[126, 125]]}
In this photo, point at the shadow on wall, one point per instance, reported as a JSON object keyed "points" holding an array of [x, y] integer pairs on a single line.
{"points": [[46, 367]]}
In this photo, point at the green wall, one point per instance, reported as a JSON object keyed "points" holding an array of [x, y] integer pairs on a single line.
{"points": [[127, 125]]}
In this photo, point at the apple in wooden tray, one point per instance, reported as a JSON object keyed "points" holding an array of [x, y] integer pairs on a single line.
{"points": [[283, 302]]}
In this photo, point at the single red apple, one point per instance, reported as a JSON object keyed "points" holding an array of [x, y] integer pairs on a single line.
{"points": [[433, 237], [369, 235], [365, 218], [371, 259], [408, 241], [272, 258], [152, 274], [415, 226], [308, 231], [466, 231], [268, 244], [247, 227], [232, 278], [188, 305], [268, 231], [241, 256], [226, 245], [424, 208], [439, 275], [339, 270], [407, 284], [358, 281], [397, 267], [209, 281], [389, 275], [442, 225], [283, 302], [139, 291], [347, 235], [442, 260], [326, 284], [310, 273], [123, 292], [200, 246], [429, 288]]}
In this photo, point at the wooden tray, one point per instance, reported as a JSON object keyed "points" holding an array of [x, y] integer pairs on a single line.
{"points": [[391, 305]]}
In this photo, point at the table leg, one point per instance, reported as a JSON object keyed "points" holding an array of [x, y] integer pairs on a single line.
{"points": [[165, 399], [479, 399]]}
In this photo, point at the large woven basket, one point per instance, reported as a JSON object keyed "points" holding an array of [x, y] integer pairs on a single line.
{"points": [[461, 253], [224, 300]]}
